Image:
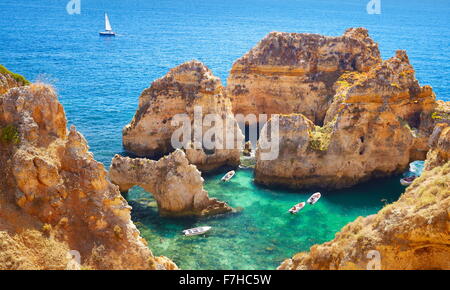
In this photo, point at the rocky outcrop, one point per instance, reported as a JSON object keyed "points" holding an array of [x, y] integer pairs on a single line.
{"points": [[379, 121], [412, 233], [441, 113], [440, 146], [186, 87], [56, 195], [176, 185], [295, 72]]}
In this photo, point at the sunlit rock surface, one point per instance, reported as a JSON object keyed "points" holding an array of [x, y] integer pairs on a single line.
{"points": [[176, 185], [295, 72], [379, 121], [55, 197], [182, 89]]}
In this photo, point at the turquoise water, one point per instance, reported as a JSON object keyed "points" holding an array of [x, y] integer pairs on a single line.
{"points": [[263, 233], [99, 81]]}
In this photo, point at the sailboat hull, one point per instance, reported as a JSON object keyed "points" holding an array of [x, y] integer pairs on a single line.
{"points": [[107, 33]]}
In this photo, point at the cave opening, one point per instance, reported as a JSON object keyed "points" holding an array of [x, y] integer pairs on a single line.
{"points": [[251, 131]]}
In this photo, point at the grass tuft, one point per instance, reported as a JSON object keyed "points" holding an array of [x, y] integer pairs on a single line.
{"points": [[9, 135], [17, 77], [320, 137]]}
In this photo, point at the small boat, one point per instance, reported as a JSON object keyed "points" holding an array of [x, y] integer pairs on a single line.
{"points": [[196, 231], [228, 176], [314, 198], [407, 180], [108, 29], [296, 208]]}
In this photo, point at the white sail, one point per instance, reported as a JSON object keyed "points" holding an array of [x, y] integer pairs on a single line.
{"points": [[107, 24]]}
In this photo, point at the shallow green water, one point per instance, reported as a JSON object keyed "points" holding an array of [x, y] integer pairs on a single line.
{"points": [[264, 233]]}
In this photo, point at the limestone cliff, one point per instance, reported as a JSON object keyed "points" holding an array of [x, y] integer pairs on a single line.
{"points": [[295, 72], [440, 144], [412, 233], [184, 88], [441, 113], [378, 122], [176, 185], [55, 197]]}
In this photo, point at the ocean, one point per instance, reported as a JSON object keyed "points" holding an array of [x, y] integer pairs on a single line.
{"points": [[99, 81]]}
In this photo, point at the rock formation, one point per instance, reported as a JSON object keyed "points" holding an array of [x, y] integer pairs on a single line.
{"points": [[440, 146], [295, 72], [176, 185], [412, 233], [379, 121], [55, 197], [441, 113], [184, 88]]}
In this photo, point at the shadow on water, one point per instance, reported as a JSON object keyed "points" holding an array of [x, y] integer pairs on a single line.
{"points": [[371, 193]]}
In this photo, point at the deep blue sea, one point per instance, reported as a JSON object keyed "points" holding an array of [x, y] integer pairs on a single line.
{"points": [[99, 81]]}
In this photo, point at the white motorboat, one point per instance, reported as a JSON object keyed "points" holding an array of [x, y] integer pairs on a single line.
{"points": [[196, 231], [228, 176], [314, 198], [407, 180], [296, 208]]}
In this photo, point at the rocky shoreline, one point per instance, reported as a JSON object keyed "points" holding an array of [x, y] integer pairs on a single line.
{"points": [[55, 194], [345, 116], [410, 234]]}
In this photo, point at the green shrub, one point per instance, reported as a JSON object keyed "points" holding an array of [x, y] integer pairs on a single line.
{"points": [[320, 137], [440, 116], [9, 134], [17, 77]]}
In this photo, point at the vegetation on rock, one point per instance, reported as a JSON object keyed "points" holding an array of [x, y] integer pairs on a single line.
{"points": [[17, 77], [9, 135]]}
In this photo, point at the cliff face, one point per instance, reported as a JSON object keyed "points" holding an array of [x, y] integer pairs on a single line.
{"points": [[378, 122], [440, 144], [176, 185], [185, 87], [412, 233], [295, 73], [55, 194], [441, 113]]}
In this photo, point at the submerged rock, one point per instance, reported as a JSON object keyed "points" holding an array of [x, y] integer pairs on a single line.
{"points": [[180, 91], [53, 190], [379, 121], [295, 72], [410, 234], [176, 185]]}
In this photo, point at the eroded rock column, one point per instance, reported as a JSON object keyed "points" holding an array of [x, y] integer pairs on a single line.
{"points": [[295, 72], [181, 91], [379, 121]]}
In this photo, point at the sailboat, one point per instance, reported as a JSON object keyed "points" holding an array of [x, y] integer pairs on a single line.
{"points": [[108, 30]]}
